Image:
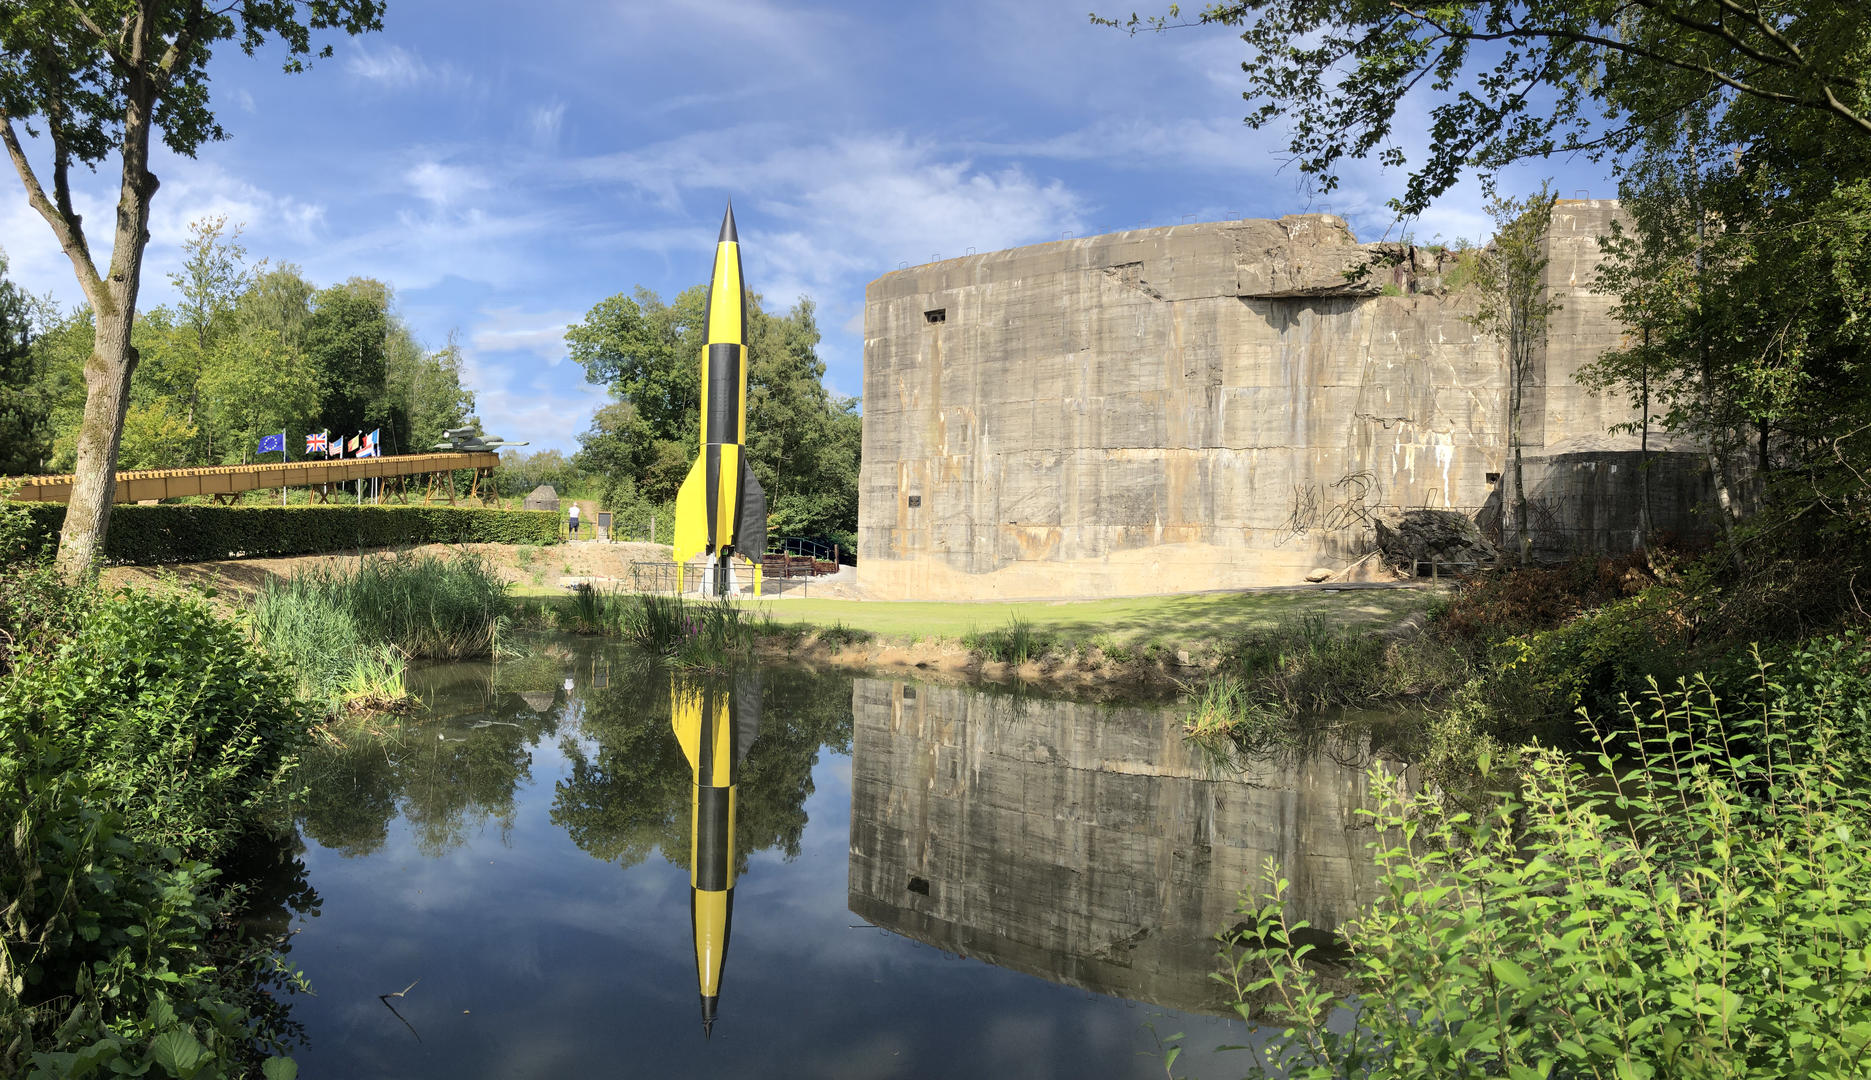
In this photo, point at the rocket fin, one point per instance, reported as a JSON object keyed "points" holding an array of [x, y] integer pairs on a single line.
{"points": [[692, 513], [750, 525]]}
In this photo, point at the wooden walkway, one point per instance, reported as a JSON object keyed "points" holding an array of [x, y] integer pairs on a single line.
{"points": [[224, 481]]}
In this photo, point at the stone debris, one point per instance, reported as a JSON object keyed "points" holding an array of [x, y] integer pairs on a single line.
{"points": [[1433, 537], [1319, 573]]}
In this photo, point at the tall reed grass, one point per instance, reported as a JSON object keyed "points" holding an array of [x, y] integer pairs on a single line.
{"points": [[346, 632]]}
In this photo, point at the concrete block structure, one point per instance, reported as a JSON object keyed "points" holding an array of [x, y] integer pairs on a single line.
{"points": [[1217, 405]]}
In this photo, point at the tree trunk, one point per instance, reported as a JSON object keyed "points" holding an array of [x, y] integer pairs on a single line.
{"points": [[107, 395], [1517, 374], [113, 359], [1643, 445]]}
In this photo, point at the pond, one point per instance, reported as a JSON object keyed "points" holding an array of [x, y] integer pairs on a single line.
{"points": [[575, 863]]}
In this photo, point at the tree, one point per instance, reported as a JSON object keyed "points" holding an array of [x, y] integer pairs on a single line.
{"points": [[213, 276], [1510, 281], [24, 437], [346, 338], [1516, 79], [424, 393], [801, 443], [99, 78]]}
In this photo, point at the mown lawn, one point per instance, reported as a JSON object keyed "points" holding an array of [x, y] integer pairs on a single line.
{"points": [[1170, 620]]}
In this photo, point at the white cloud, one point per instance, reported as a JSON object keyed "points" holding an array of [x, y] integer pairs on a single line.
{"points": [[512, 330], [393, 67], [545, 121], [445, 186]]}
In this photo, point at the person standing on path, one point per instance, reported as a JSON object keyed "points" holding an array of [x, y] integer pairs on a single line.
{"points": [[574, 521]]}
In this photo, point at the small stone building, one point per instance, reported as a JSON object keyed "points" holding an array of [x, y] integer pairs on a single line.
{"points": [[544, 497]]}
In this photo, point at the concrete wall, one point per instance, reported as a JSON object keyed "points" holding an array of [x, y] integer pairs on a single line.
{"points": [[1087, 845], [1198, 407]]}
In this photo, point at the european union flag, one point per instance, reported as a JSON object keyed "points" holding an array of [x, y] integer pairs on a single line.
{"points": [[273, 444]]}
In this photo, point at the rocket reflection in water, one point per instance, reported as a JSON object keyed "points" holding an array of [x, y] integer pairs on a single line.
{"points": [[715, 724]]}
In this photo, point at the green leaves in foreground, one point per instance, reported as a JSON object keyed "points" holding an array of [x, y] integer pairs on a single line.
{"points": [[1702, 914]]}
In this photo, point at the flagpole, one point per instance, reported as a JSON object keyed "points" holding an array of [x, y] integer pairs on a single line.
{"points": [[283, 459]]}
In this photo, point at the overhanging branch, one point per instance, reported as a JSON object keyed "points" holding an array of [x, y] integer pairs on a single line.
{"points": [[70, 238]]}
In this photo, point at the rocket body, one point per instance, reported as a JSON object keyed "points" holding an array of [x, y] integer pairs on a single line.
{"points": [[714, 730], [720, 509]]}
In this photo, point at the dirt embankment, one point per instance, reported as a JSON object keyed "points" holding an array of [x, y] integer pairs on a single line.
{"points": [[522, 565], [1085, 675]]}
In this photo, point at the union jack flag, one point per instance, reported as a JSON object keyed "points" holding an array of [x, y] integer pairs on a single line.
{"points": [[315, 443]]}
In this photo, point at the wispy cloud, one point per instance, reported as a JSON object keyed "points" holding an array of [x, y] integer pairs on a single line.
{"points": [[545, 121], [444, 185], [393, 67]]}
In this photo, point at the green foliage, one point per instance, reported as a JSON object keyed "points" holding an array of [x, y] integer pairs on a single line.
{"points": [[1697, 914], [699, 634], [1015, 643], [25, 438], [345, 632], [1299, 669], [520, 472], [1605, 77], [140, 736], [152, 535], [840, 636], [802, 442], [240, 358], [169, 714]]}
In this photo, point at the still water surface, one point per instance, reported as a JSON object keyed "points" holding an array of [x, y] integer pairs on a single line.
{"points": [[925, 881]]}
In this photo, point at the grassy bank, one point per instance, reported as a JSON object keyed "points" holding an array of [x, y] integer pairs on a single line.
{"points": [[1130, 623], [142, 738], [688, 633]]}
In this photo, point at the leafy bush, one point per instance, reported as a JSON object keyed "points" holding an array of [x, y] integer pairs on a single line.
{"points": [[110, 964], [170, 715], [151, 535], [140, 737], [1697, 915]]}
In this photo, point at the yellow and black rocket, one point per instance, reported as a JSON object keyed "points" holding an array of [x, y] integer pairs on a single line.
{"points": [[715, 727], [720, 509]]}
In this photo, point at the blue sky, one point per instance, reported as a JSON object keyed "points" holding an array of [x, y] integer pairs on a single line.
{"points": [[504, 173]]}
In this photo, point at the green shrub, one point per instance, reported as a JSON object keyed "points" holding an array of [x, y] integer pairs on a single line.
{"points": [[140, 737], [1697, 912], [151, 535], [108, 960], [174, 719]]}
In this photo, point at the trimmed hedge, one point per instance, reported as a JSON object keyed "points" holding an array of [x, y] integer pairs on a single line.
{"points": [[148, 535]]}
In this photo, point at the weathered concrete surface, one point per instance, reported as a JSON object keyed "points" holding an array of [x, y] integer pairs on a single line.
{"points": [[1198, 407], [1087, 845]]}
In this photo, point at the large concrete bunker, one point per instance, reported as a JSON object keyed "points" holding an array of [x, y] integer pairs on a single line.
{"points": [[1207, 406]]}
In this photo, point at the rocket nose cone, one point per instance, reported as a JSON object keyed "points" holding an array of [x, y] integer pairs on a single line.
{"points": [[728, 235], [708, 1015]]}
